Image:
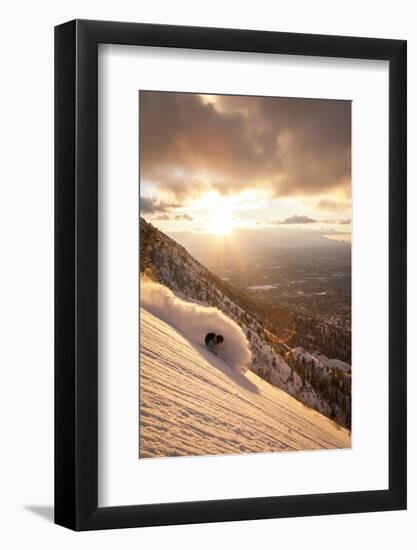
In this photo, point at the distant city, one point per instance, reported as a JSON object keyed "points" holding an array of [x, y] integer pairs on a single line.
{"points": [[313, 279]]}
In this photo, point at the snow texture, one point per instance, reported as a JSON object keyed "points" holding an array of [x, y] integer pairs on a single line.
{"points": [[195, 321], [192, 403]]}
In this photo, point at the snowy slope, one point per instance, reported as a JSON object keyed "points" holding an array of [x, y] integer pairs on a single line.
{"points": [[192, 403], [326, 390]]}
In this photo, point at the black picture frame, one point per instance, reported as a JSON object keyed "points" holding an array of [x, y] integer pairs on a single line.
{"points": [[76, 272]]}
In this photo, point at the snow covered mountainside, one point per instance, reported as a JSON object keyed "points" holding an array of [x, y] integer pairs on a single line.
{"points": [[290, 353], [193, 403]]}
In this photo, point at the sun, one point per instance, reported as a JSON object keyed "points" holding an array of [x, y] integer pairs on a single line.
{"points": [[221, 223]]}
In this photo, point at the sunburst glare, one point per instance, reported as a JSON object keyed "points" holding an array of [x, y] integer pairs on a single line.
{"points": [[221, 223]]}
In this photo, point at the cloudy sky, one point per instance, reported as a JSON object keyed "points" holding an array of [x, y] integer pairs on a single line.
{"points": [[216, 164]]}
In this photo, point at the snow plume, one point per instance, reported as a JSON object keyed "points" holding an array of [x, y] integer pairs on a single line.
{"points": [[195, 321]]}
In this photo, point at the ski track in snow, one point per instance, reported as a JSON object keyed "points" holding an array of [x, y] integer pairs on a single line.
{"points": [[192, 403]]}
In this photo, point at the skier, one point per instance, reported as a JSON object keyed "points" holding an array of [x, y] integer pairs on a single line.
{"points": [[212, 341]]}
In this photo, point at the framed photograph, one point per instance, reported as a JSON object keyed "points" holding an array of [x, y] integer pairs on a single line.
{"points": [[230, 254]]}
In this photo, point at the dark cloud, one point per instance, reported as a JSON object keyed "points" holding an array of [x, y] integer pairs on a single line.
{"points": [[229, 143], [178, 217], [152, 206], [179, 188], [184, 217], [306, 220], [295, 219]]}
